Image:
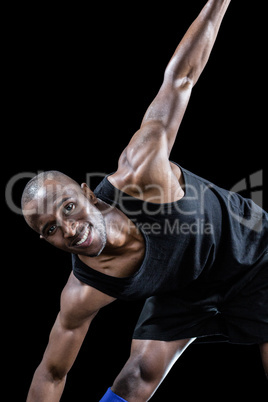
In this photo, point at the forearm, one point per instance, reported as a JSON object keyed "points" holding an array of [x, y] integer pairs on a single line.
{"points": [[45, 388], [194, 50]]}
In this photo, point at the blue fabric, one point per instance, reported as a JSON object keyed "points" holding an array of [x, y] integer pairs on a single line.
{"points": [[110, 396]]}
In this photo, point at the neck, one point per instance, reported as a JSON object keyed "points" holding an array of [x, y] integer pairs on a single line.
{"points": [[125, 247], [120, 230]]}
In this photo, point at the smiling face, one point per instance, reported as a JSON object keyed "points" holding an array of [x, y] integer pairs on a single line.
{"points": [[66, 216]]}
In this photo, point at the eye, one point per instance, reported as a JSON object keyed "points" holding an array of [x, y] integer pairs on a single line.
{"points": [[69, 208], [51, 230]]}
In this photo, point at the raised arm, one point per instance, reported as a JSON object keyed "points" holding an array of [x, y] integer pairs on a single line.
{"points": [[184, 69], [79, 305], [154, 140], [194, 49]]}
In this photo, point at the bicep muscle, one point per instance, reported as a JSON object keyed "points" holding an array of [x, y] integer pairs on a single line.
{"points": [[168, 108], [158, 131]]}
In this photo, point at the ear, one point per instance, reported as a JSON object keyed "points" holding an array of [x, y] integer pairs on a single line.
{"points": [[89, 193]]}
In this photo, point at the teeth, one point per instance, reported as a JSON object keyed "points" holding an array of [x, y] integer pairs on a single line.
{"points": [[83, 238]]}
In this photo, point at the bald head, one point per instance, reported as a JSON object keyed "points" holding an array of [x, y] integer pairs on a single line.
{"points": [[42, 189], [37, 183]]}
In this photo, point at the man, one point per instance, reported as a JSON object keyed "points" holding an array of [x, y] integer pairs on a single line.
{"points": [[152, 230]]}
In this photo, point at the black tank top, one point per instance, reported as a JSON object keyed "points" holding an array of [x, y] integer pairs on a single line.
{"points": [[208, 240]]}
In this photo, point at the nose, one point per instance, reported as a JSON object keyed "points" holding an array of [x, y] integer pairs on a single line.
{"points": [[69, 228]]}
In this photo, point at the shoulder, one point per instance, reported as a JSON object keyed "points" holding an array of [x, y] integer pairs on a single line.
{"points": [[80, 302], [154, 178]]}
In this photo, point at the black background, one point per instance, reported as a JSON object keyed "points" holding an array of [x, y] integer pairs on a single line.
{"points": [[78, 81]]}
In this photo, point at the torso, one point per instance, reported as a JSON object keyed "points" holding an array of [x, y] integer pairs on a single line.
{"points": [[191, 245]]}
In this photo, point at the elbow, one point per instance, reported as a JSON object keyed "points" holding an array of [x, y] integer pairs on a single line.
{"points": [[56, 376], [51, 374], [46, 382], [182, 76], [190, 59], [179, 81], [186, 82]]}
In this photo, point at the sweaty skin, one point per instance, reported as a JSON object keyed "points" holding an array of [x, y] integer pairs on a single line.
{"points": [[71, 218]]}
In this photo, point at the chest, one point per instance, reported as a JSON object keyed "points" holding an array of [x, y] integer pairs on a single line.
{"points": [[125, 262]]}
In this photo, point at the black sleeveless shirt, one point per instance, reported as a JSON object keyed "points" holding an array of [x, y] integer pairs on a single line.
{"points": [[207, 242]]}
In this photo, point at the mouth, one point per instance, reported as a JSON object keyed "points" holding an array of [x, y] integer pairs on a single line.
{"points": [[84, 239]]}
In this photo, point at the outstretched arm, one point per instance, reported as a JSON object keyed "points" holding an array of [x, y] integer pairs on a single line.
{"points": [[161, 122], [79, 305], [194, 49], [50, 376], [184, 69]]}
